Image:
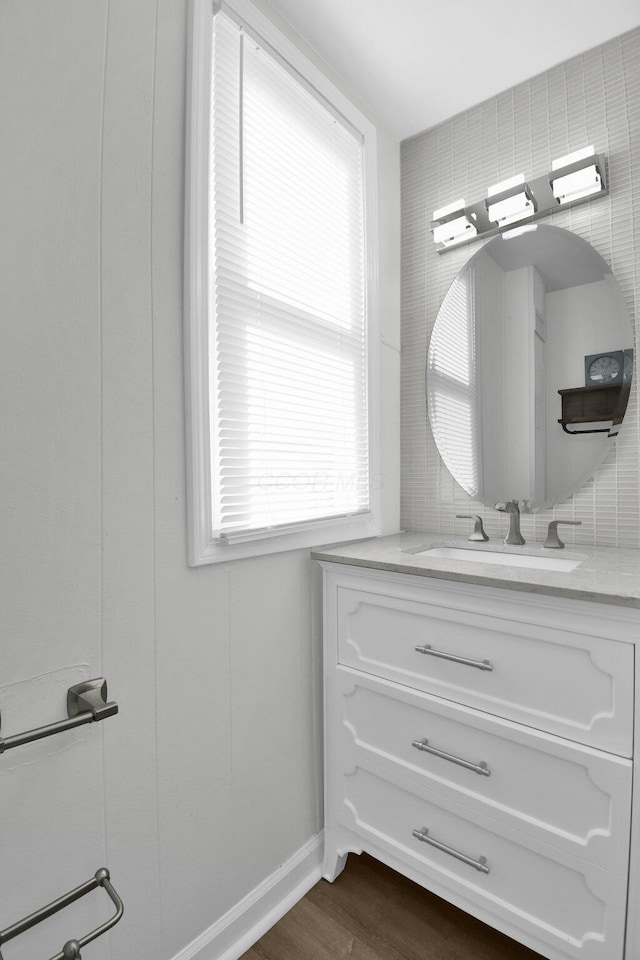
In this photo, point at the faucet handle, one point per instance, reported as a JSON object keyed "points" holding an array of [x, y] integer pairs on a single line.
{"points": [[478, 529], [553, 541]]}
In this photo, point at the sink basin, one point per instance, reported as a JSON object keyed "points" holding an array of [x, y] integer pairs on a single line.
{"points": [[532, 561]]}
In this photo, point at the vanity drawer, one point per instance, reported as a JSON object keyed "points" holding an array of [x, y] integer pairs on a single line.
{"points": [[565, 681], [576, 908], [561, 793]]}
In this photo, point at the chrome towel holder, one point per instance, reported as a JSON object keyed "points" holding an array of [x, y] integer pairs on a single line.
{"points": [[86, 702], [71, 949]]}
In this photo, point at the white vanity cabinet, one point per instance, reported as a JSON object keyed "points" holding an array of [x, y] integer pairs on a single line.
{"points": [[480, 741]]}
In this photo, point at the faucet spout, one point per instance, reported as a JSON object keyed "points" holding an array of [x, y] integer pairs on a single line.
{"points": [[511, 507]]}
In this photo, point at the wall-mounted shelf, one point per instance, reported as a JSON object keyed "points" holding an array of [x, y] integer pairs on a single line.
{"points": [[594, 404]]}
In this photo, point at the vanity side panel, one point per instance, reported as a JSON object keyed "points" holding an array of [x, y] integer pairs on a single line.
{"points": [[335, 846], [632, 949]]}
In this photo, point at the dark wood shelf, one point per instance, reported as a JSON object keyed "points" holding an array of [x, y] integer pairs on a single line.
{"points": [[585, 420], [591, 390], [594, 404]]}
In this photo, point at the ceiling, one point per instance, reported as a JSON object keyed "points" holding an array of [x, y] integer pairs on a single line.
{"points": [[414, 63], [562, 259]]}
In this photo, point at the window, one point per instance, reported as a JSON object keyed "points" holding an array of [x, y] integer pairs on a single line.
{"points": [[279, 298], [452, 396]]}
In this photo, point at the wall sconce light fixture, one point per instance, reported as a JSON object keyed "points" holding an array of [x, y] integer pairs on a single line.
{"points": [[573, 179], [576, 176], [453, 225], [510, 201]]}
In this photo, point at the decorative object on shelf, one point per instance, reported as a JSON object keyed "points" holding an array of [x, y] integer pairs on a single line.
{"points": [[573, 179], [602, 368]]}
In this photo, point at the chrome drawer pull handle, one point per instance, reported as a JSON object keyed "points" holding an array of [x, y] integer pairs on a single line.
{"points": [[480, 864], [480, 768], [480, 664]]}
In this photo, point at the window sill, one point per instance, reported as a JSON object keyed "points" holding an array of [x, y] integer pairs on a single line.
{"points": [[207, 550]]}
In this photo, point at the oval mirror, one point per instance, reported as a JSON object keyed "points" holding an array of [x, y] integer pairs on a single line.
{"points": [[529, 368]]}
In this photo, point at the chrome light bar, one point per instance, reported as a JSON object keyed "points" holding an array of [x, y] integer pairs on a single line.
{"points": [[573, 179]]}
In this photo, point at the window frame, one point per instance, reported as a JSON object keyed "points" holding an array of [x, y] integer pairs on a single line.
{"points": [[203, 548]]}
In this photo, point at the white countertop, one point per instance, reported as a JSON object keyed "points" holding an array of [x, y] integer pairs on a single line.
{"points": [[604, 575]]}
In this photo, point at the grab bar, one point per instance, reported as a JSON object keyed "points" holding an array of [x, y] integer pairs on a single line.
{"points": [[71, 949], [86, 702]]}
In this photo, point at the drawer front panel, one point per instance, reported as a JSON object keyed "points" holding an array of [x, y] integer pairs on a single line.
{"points": [[567, 683], [575, 907], [568, 795]]}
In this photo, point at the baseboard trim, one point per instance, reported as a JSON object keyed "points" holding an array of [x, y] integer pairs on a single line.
{"points": [[232, 935]]}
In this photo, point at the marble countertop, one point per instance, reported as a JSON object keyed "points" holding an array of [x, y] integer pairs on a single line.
{"points": [[604, 574]]}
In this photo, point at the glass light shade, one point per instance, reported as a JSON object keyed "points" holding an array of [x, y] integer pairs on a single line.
{"points": [[573, 157], [514, 208], [449, 208], [578, 183], [581, 183], [454, 231]]}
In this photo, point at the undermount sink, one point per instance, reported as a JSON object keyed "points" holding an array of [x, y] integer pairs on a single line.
{"points": [[475, 555]]}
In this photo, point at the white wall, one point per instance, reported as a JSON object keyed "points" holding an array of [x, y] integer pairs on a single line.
{"points": [[209, 778]]}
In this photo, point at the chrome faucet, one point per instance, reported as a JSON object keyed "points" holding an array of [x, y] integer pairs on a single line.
{"points": [[511, 507]]}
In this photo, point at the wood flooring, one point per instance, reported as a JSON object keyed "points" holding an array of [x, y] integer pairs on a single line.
{"points": [[372, 913]]}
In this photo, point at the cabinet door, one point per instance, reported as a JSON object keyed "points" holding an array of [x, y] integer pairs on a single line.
{"points": [[556, 791], [574, 907], [564, 681]]}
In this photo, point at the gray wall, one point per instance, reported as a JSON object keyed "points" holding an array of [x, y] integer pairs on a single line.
{"points": [[593, 98], [210, 777]]}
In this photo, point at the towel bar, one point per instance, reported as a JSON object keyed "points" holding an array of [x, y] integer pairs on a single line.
{"points": [[86, 702], [71, 949]]}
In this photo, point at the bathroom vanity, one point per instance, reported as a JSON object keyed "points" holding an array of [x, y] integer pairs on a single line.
{"points": [[480, 726]]}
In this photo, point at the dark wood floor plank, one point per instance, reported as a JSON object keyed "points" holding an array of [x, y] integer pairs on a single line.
{"points": [[417, 923], [391, 906], [372, 913], [338, 911], [308, 933]]}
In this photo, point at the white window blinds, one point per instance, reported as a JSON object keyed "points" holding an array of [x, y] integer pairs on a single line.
{"points": [[288, 373], [453, 401]]}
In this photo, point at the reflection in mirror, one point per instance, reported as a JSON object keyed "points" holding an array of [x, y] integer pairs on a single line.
{"points": [[529, 368]]}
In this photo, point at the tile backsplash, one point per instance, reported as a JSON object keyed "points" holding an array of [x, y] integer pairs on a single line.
{"points": [[591, 99]]}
